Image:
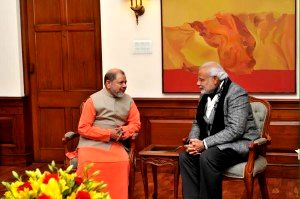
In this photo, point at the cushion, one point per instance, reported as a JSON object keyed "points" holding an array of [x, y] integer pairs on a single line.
{"points": [[238, 170], [259, 112]]}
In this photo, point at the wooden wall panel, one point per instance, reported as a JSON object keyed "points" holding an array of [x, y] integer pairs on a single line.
{"points": [[168, 132], [15, 134], [6, 129], [167, 121], [284, 130], [283, 135]]}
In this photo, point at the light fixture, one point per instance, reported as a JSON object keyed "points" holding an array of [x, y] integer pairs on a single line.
{"points": [[138, 9]]}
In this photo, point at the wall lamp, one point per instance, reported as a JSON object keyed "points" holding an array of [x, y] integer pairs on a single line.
{"points": [[137, 8]]}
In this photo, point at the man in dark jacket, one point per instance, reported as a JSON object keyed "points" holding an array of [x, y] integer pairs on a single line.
{"points": [[220, 135]]}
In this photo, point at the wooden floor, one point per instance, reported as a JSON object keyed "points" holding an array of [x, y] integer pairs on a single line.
{"points": [[278, 187]]}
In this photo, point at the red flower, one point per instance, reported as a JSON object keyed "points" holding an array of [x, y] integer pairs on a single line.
{"points": [[44, 196], [49, 176], [78, 180], [83, 195], [25, 185]]}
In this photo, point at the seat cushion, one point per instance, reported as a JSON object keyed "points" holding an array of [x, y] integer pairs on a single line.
{"points": [[238, 170]]}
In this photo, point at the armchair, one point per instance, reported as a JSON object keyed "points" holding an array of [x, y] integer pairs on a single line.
{"points": [[70, 142], [256, 164]]}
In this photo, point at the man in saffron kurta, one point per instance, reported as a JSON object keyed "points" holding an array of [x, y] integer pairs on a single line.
{"points": [[108, 116]]}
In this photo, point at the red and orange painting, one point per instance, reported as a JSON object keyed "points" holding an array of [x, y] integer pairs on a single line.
{"points": [[253, 40]]}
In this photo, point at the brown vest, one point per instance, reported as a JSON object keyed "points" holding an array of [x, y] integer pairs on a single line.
{"points": [[110, 112]]}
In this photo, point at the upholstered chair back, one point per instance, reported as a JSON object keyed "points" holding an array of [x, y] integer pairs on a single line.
{"points": [[260, 114]]}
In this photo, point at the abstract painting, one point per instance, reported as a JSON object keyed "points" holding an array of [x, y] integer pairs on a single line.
{"points": [[253, 40]]}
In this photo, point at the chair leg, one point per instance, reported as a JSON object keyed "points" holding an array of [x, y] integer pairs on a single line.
{"points": [[248, 180], [263, 185]]}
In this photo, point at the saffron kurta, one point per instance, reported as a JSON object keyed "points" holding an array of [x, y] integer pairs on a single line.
{"points": [[101, 113]]}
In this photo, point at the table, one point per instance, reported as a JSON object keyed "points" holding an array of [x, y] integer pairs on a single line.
{"points": [[159, 155]]}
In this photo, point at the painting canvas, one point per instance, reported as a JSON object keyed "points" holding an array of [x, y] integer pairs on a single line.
{"points": [[253, 40]]}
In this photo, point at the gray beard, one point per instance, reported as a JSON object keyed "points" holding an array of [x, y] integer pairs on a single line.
{"points": [[203, 92], [119, 95]]}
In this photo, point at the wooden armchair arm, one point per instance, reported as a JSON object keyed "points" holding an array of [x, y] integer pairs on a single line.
{"points": [[132, 149], [255, 148], [132, 162], [68, 141], [262, 141], [69, 136]]}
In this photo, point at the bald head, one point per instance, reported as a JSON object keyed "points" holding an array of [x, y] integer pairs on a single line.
{"points": [[111, 74]]}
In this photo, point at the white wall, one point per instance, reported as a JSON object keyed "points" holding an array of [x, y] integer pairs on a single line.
{"points": [[11, 66], [119, 30]]}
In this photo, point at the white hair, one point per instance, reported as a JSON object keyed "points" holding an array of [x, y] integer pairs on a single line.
{"points": [[215, 69]]}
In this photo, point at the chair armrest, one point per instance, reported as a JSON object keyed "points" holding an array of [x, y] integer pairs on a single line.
{"points": [[132, 147], [69, 146], [254, 147], [70, 135], [132, 142], [260, 141]]}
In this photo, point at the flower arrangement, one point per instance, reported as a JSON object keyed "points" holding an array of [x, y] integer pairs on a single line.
{"points": [[56, 184]]}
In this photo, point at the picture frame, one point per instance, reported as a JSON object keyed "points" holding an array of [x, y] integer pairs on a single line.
{"points": [[254, 41]]}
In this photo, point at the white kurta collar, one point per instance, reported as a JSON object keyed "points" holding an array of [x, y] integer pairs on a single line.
{"points": [[211, 102]]}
